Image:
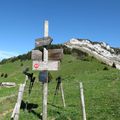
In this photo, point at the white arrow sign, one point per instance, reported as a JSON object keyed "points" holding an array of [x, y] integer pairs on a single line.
{"points": [[42, 65]]}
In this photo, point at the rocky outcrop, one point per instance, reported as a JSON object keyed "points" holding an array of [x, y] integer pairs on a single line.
{"points": [[101, 51]]}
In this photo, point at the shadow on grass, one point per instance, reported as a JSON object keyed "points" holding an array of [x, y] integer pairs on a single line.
{"points": [[29, 107], [55, 106]]}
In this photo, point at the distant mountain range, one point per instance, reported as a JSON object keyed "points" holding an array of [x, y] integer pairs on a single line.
{"points": [[100, 50]]}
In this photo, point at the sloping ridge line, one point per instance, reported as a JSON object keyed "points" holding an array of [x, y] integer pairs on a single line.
{"points": [[96, 55]]}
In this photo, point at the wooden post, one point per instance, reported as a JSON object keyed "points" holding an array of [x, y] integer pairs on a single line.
{"points": [[13, 113], [16, 110], [62, 92], [45, 90], [82, 101], [26, 78], [46, 28], [45, 85], [45, 65], [17, 107]]}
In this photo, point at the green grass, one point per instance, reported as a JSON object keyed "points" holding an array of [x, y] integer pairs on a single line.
{"points": [[101, 90]]}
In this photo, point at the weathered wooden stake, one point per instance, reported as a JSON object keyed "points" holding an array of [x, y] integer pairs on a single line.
{"points": [[26, 78], [82, 101], [13, 113], [17, 106], [62, 92], [45, 89], [46, 28], [16, 110], [45, 85]]}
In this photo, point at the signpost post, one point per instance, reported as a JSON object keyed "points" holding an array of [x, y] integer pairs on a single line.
{"points": [[45, 84], [45, 89], [44, 66]]}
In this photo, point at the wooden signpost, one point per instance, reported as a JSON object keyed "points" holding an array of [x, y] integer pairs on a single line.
{"points": [[43, 65], [36, 55], [45, 89], [55, 54], [45, 41]]}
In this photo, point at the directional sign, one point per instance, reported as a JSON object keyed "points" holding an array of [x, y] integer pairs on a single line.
{"points": [[43, 41], [36, 55], [55, 54], [42, 65]]}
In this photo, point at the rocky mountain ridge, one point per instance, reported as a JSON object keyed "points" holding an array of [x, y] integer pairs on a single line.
{"points": [[100, 50]]}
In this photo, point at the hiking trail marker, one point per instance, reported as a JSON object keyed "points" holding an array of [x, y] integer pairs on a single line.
{"points": [[41, 63]]}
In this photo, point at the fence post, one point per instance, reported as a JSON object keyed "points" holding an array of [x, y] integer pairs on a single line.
{"points": [[20, 94], [16, 110], [82, 101], [62, 92]]}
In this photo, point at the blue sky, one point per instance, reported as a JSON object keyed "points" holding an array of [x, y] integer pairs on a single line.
{"points": [[21, 22]]}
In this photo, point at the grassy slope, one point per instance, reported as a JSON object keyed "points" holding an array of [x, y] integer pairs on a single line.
{"points": [[101, 90]]}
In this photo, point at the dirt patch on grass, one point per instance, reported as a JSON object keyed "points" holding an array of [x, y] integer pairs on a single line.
{"points": [[5, 112]]}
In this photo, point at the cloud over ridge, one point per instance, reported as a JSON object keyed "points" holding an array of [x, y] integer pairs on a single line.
{"points": [[7, 54]]}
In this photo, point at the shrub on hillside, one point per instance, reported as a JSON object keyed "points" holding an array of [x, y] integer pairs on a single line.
{"points": [[67, 51], [117, 50], [79, 54], [113, 65], [105, 68], [49, 77], [6, 75], [2, 74], [103, 63], [21, 64]]}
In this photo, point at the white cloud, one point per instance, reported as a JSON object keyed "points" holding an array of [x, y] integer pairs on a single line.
{"points": [[6, 54]]}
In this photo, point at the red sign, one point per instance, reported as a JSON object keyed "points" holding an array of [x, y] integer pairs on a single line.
{"points": [[36, 65]]}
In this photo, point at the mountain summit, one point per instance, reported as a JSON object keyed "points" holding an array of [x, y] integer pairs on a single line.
{"points": [[100, 50]]}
